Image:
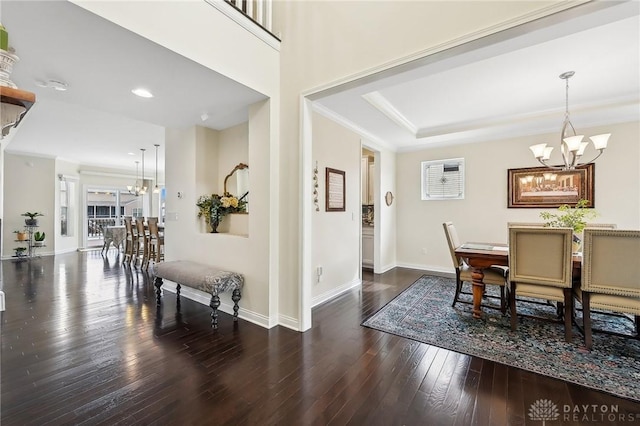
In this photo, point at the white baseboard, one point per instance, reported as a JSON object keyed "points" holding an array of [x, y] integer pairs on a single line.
{"points": [[335, 292], [225, 306], [289, 322], [385, 269], [433, 270]]}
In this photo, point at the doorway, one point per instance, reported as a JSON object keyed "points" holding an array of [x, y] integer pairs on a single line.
{"points": [[106, 207]]}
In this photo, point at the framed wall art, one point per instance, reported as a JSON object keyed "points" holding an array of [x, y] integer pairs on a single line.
{"points": [[335, 190], [540, 187]]}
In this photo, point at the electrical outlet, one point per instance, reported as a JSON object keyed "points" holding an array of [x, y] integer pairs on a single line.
{"points": [[319, 273]]}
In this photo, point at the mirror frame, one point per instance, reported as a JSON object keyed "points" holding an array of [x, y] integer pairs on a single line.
{"points": [[240, 166]]}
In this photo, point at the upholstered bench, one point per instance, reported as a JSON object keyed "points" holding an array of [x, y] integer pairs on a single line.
{"points": [[200, 277]]}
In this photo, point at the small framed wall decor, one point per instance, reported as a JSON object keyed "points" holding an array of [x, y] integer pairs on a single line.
{"points": [[537, 187], [335, 190]]}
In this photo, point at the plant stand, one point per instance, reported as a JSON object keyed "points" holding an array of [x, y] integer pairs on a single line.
{"points": [[31, 246]]}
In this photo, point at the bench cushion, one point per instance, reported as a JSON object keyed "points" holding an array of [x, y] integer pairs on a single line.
{"points": [[199, 276]]}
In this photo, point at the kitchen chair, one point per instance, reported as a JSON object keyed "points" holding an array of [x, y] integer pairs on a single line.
{"points": [[610, 276], [541, 267], [494, 276], [131, 240], [142, 249], [156, 240]]}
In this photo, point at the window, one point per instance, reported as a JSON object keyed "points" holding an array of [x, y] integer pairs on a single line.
{"points": [[67, 205], [443, 179]]}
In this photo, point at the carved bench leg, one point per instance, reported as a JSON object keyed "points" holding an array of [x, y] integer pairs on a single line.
{"points": [[215, 303], [178, 296], [158, 284], [236, 298]]}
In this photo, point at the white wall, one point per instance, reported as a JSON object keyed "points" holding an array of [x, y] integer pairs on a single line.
{"points": [[328, 42], [336, 235], [185, 235], [483, 214], [385, 216], [29, 186], [73, 241], [201, 33]]}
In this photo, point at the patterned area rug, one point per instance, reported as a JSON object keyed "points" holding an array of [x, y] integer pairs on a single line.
{"points": [[423, 312]]}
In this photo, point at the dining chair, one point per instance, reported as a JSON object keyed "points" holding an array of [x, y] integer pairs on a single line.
{"points": [[541, 267], [156, 240], [131, 240], [493, 276], [610, 276], [142, 248]]}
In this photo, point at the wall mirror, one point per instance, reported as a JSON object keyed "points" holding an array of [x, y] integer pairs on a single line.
{"points": [[237, 183]]}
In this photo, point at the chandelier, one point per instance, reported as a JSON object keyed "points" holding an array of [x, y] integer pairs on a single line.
{"points": [[571, 145], [139, 188], [156, 189]]}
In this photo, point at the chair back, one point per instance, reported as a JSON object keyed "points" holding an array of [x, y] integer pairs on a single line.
{"points": [[127, 226], [526, 224], [140, 229], [541, 256], [453, 241], [611, 262], [152, 222], [602, 225]]}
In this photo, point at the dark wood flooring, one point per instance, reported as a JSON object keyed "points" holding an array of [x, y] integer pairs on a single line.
{"points": [[82, 344]]}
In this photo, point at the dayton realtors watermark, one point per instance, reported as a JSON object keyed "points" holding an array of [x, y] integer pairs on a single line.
{"points": [[547, 411]]}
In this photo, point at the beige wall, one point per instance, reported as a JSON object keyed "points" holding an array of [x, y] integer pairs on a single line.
{"points": [[29, 186], [483, 214], [336, 235], [248, 60], [326, 42]]}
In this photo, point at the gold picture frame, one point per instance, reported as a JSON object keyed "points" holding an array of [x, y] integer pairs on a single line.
{"points": [[541, 187]]}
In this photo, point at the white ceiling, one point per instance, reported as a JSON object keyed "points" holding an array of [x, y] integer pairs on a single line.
{"points": [[498, 87], [507, 85], [98, 121]]}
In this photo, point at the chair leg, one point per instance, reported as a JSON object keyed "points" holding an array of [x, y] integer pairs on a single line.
{"points": [[568, 309], [637, 326], [503, 300], [586, 319], [512, 302], [458, 288]]}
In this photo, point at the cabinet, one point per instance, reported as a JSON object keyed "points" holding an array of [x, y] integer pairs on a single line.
{"points": [[28, 250], [367, 178], [367, 246]]}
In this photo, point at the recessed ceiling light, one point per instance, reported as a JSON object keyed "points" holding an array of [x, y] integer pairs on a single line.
{"points": [[143, 93], [130, 153]]}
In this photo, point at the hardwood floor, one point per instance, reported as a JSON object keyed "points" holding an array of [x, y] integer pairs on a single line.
{"points": [[82, 344]]}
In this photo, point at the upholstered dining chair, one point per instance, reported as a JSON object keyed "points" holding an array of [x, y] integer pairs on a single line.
{"points": [[493, 276], [156, 241], [610, 275], [541, 267]]}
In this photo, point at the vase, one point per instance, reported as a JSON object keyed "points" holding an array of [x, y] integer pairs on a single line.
{"points": [[576, 244], [214, 225]]}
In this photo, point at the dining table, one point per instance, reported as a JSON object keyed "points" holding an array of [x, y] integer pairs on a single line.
{"points": [[115, 234], [484, 255]]}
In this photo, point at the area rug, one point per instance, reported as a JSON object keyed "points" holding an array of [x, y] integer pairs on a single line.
{"points": [[423, 312]]}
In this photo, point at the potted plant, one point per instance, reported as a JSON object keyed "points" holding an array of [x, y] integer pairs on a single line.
{"points": [[215, 207], [32, 221], [20, 251], [38, 238], [21, 235], [571, 217]]}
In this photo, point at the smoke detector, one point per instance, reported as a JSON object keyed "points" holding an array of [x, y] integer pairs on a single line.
{"points": [[53, 84]]}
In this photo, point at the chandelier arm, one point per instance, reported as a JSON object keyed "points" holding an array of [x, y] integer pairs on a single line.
{"points": [[594, 158], [548, 166]]}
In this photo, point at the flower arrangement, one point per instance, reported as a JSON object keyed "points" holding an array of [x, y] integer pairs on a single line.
{"points": [[215, 207], [570, 217]]}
